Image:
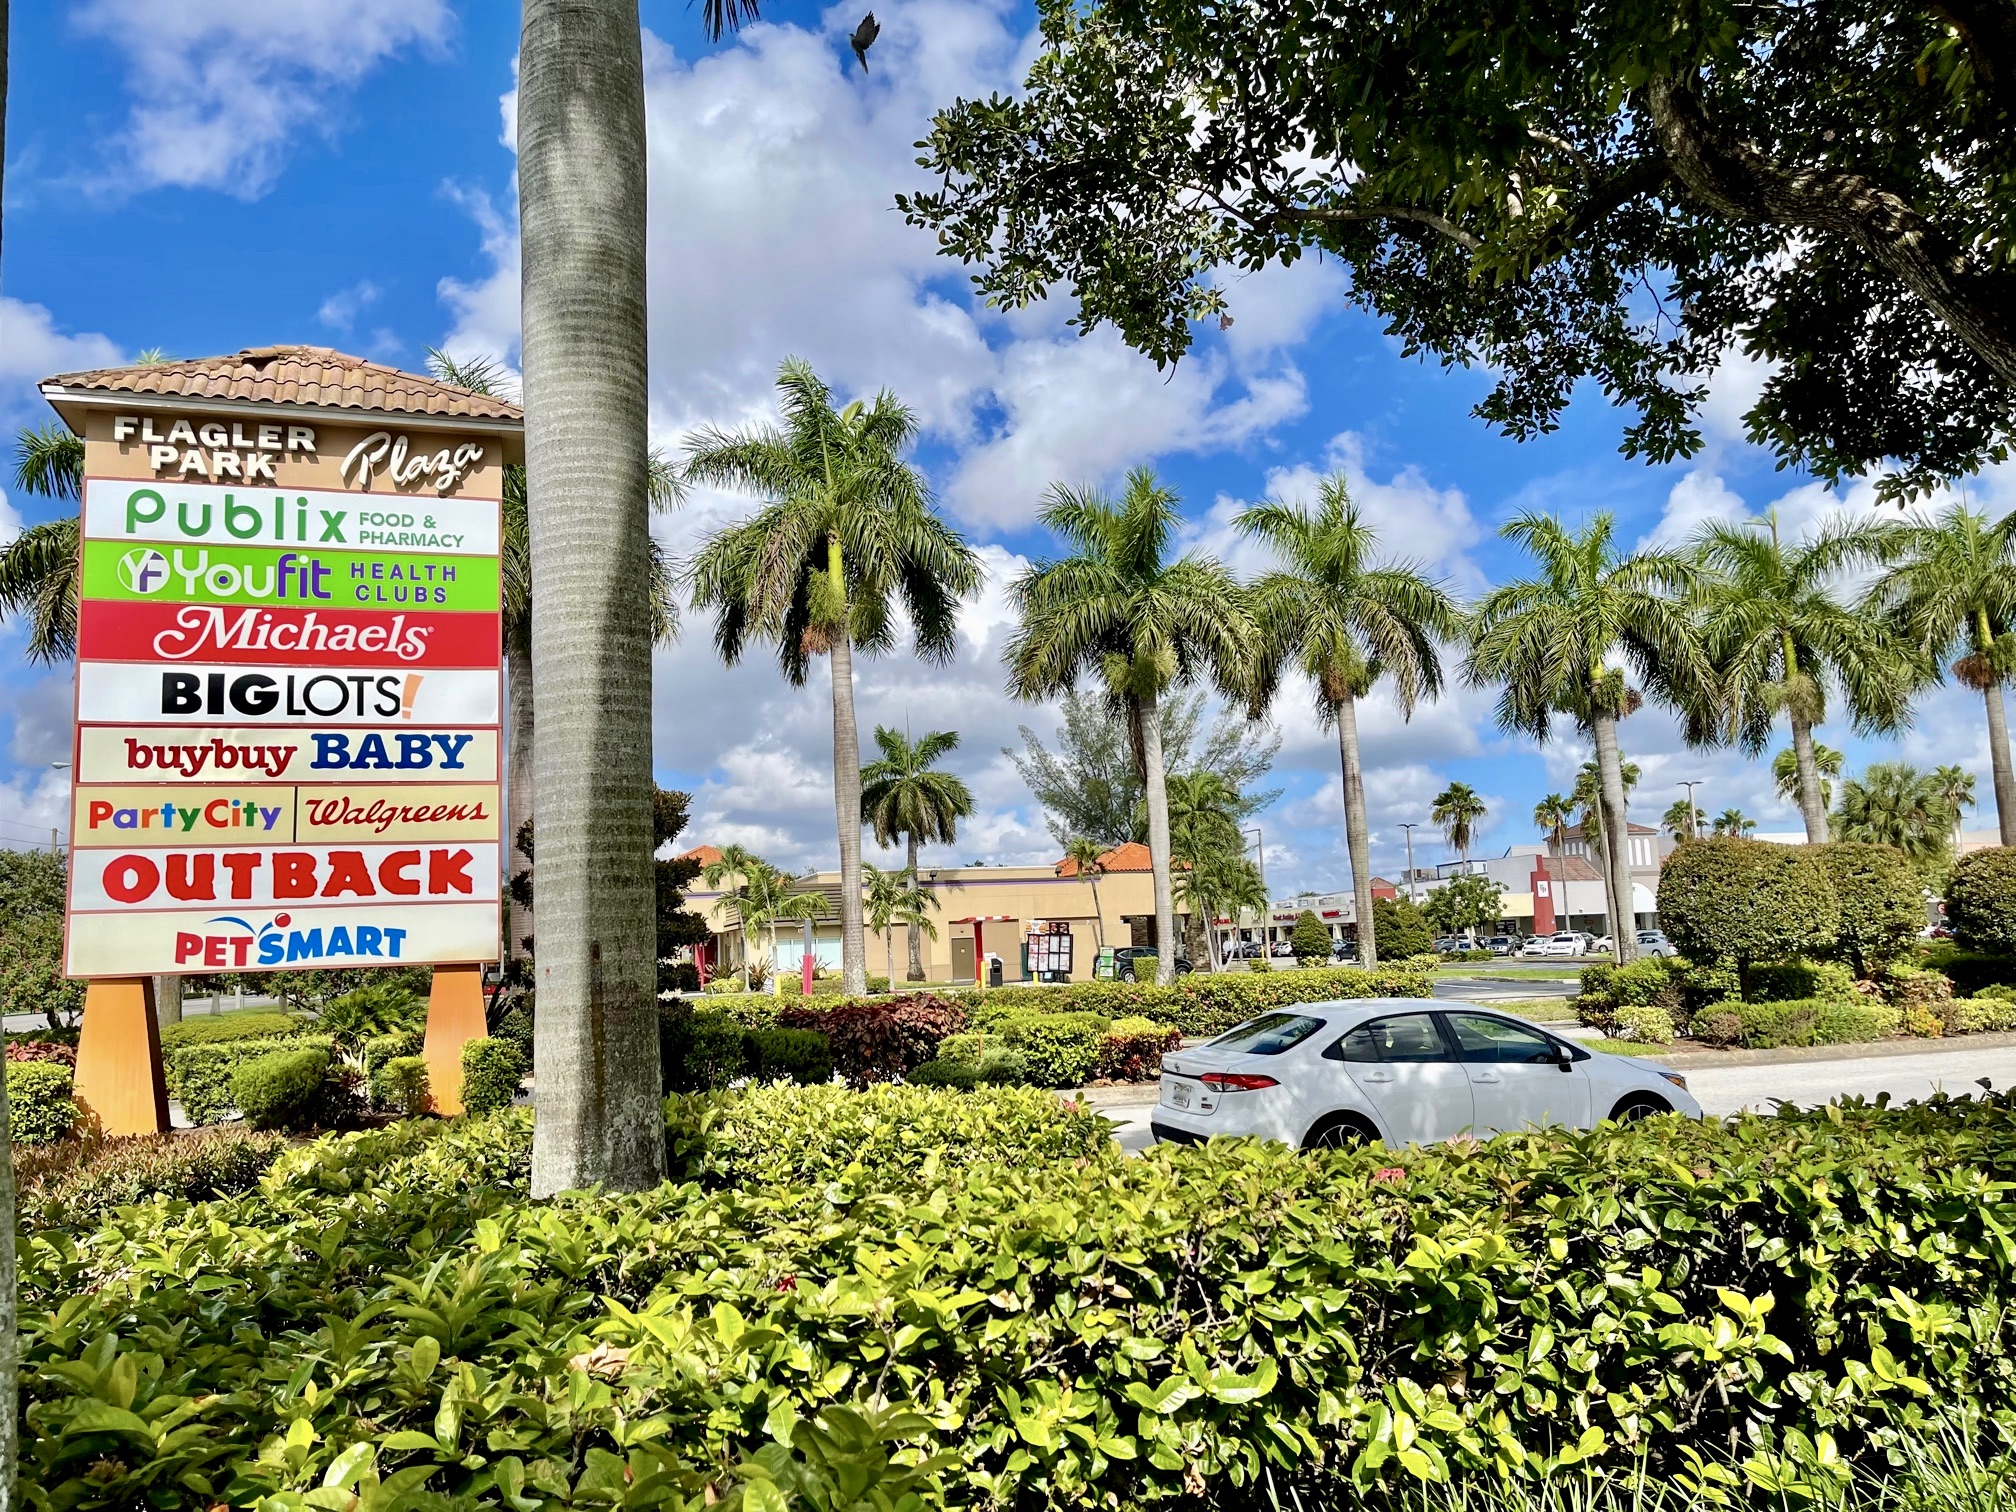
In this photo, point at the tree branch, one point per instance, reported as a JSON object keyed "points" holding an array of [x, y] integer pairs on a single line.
{"points": [[1738, 181], [1987, 30], [1342, 214]]}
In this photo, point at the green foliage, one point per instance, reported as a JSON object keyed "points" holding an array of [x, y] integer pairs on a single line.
{"points": [[1400, 930], [199, 1076], [1310, 938], [1882, 904], [963, 1075], [1644, 1025], [1470, 901], [1782, 981], [1981, 902], [1000, 1066], [1991, 1012], [399, 1085], [1814, 1021], [699, 1050], [1203, 1004], [282, 1089], [1059, 1049], [1969, 970], [381, 1048], [39, 1109], [31, 968], [381, 1007], [491, 1072], [1133, 1049], [85, 1181], [796, 1055], [1741, 901], [516, 1026], [212, 1029]]}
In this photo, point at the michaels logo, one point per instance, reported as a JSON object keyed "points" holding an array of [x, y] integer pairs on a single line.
{"points": [[199, 630], [277, 943]]}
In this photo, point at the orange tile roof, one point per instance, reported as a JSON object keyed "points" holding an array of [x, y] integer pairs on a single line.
{"points": [[1131, 856], [310, 375], [706, 855]]}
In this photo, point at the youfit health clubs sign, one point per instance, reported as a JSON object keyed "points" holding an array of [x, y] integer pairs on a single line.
{"points": [[288, 691]]}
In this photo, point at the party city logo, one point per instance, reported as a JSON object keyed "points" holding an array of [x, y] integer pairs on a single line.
{"points": [[242, 942]]}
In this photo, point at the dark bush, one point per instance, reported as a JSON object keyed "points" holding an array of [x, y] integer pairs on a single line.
{"points": [[1310, 938], [1882, 904], [881, 1040], [1780, 981], [491, 1072], [1814, 1021], [516, 1026], [1398, 929], [1981, 901], [1738, 901], [399, 1085], [282, 1089], [699, 1050], [1596, 1002], [1970, 970], [940, 1073], [39, 1109], [84, 1181], [794, 1055]]}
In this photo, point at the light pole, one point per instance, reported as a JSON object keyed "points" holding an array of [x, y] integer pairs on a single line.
{"points": [[1410, 828], [1691, 783], [1266, 919]]}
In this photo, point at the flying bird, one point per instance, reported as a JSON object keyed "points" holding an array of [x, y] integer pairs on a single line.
{"points": [[864, 38]]}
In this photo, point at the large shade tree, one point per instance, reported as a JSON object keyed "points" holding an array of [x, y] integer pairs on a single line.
{"points": [[1777, 630], [1119, 610], [1561, 642], [1341, 618], [1950, 589], [1567, 190], [904, 795], [846, 535]]}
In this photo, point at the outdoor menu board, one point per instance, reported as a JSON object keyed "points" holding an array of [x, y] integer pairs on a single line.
{"points": [[288, 710]]}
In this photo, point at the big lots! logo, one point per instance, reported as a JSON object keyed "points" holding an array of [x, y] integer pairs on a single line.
{"points": [[242, 942]]}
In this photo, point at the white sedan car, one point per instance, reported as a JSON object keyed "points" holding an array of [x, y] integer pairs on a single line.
{"points": [[1403, 1071]]}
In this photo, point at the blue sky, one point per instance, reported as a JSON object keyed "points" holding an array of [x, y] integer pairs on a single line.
{"points": [[224, 173]]}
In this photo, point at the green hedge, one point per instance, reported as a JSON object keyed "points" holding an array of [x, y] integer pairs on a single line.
{"points": [[211, 1029], [1789, 981], [86, 1181], [1882, 903], [796, 1055], [399, 1085], [1814, 1021], [492, 1070], [1740, 901], [1233, 1325], [39, 1109], [282, 1089], [199, 1075], [1058, 1049], [1981, 901]]}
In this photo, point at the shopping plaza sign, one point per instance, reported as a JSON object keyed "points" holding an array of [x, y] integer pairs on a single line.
{"points": [[289, 691]]}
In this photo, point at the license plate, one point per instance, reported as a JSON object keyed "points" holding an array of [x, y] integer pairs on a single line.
{"points": [[1179, 1095]]}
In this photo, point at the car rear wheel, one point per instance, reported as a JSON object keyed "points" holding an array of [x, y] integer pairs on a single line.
{"points": [[1639, 1105], [1339, 1131]]}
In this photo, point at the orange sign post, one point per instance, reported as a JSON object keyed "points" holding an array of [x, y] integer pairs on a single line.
{"points": [[289, 691]]}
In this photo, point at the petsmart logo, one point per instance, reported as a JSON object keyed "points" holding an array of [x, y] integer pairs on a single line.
{"points": [[143, 571], [277, 942]]}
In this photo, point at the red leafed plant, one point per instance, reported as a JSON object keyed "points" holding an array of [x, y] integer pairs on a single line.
{"points": [[880, 1041], [41, 1050]]}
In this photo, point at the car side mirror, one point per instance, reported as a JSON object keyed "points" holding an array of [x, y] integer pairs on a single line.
{"points": [[1564, 1057]]}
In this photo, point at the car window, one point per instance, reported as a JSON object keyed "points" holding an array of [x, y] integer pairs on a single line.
{"points": [[1358, 1045], [1496, 1040], [1410, 1037], [1269, 1034]]}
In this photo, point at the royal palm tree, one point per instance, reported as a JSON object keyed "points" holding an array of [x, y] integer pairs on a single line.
{"points": [[1084, 853], [581, 172], [1223, 882], [1345, 623], [1893, 803], [1553, 644], [1734, 822], [770, 897], [1587, 797], [1203, 826], [903, 793], [1775, 630], [1956, 791], [1950, 589], [1785, 772], [897, 897], [847, 530], [1551, 816], [1458, 810], [730, 871], [1682, 819], [1117, 608]]}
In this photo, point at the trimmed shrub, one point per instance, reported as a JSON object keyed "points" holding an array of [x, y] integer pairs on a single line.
{"points": [[1310, 938], [1910, 987], [944, 1073], [211, 1029], [1262, 965], [1645, 1025], [516, 1026], [39, 1109], [1398, 930], [399, 1085], [1717, 1026], [84, 1181], [1981, 901], [1739, 901], [1813, 1021], [699, 1049], [1061, 1049], [199, 1075], [795, 1055], [491, 1072], [1882, 904], [1981, 1015], [281, 1089], [1000, 1066], [678, 976], [881, 1040], [1133, 1048], [381, 1048], [967, 1046], [1596, 1002], [1789, 981], [1970, 971]]}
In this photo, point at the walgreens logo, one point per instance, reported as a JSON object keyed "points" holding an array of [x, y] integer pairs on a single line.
{"points": [[186, 632]]}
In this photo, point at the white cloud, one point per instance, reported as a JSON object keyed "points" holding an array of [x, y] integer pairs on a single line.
{"points": [[32, 349], [340, 310], [221, 87]]}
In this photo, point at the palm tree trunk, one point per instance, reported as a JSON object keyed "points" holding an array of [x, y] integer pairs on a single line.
{"points": [[1156, 786], [1617, 833], [10, 1333], [847, 811], [1356, 841], [1098, 913], [1998, 758], [916, 971], [889, 950], [581, 163], [1811, 805], [167, 1000], [518, 786]]}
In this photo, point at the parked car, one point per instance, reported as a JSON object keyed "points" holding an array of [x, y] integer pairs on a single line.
{"points": [[1125, 956], [1500, 945], [1653, 942], [1569, 942], [1281, 948], [1448, 944], [1603, 945], [1328, 1075]]}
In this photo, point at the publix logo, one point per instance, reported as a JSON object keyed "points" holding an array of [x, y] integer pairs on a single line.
{"points": [[271, 944], [143, 571]]}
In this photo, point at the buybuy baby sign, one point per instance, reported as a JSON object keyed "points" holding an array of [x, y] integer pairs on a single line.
{"points": [[288, 720]]}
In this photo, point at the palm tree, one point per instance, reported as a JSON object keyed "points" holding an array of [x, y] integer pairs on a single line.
{"points": [[1785, 772], [1950, 589], [1775, 630], [581, 171], [770, 896], [903, 794], [1682, 819], [1223, 882], [847, 529], [1553, 643], [1203, 826], [1084, 854], [1956, 791], [1458, 810], [38, 568], [1552, 815], [897, 897], [1893, 803], [1734, 822], [730, 871], [1344, 623], [1587, 797], [1117, 608]]}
